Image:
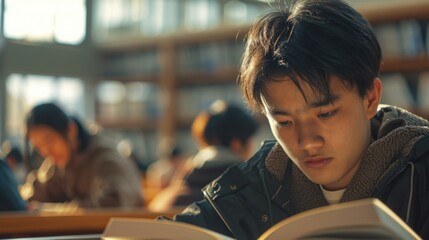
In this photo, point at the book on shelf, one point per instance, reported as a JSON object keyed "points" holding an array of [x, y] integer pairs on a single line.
{"points": [[360, 219], [389, 36], [396, 91], [412, 39], [423, 90]]}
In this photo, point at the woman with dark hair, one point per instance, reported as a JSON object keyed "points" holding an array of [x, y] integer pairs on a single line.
{"points": [[80, 167]]}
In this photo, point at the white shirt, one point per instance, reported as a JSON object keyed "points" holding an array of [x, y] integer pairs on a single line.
{"points": [[332, 196]]}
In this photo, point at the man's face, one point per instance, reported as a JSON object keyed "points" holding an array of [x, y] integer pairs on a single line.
{"points": [[50, 143], [325, 140]]}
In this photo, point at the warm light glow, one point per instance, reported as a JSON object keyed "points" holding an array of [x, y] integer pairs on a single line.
{"points": [[61, 21], [111, 92]]}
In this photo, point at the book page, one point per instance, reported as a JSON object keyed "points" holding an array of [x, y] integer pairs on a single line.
{"points": [[368, 218], [149, 229], [360, 232]]}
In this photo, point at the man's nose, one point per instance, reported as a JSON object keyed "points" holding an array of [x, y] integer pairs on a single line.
{"points": [[308, 136]]}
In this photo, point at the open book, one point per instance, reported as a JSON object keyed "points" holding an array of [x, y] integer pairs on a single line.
{"points": [[149, 229], [361, 219]]}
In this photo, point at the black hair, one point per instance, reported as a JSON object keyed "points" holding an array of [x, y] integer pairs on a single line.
{"points": [[52, 116], [310, 42], [227, 122]]}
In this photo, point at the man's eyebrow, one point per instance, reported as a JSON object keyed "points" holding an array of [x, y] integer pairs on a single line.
{"points": [[315, 104], [324, 102], [278, 112]]}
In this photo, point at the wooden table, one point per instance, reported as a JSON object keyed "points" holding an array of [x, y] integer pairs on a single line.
{"points": [[34, 224]]}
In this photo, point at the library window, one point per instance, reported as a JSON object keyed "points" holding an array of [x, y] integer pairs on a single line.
{"points": [[57, 21], [25, 91]]}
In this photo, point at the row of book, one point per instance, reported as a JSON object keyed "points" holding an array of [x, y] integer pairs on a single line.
{"points": [[407, 38], [209, 56], [118, 101], [119, 19], [132, 64], [409, 92], [142, 101]]}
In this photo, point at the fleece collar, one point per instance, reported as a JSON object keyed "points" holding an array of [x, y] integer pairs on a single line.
{"points": [[395, 132]]}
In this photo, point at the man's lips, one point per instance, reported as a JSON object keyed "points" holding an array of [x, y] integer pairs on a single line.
{"points": [[317, 162]]}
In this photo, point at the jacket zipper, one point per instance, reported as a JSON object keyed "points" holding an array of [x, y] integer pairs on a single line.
{"points": [[379, 189], [218, 211], [411, 187]]}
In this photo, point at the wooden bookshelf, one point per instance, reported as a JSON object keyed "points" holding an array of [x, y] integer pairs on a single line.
{"points": [[171, 79]]}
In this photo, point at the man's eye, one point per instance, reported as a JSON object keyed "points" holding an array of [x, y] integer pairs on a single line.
{"points": [[327, 114], [284, 123]]}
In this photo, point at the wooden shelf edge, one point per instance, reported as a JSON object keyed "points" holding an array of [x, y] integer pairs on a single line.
{"points": [[129, 124], [405, 64], [149, 78], [224, 75], [395, 12], [221, 33]]}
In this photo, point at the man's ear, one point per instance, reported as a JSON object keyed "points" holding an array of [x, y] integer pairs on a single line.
{"points": [[372, 98]]}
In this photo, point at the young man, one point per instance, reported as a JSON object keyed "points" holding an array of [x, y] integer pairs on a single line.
{"points": [[312, 70]]}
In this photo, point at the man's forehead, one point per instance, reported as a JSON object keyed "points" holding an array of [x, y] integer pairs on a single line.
{"points": [[285, 92]]}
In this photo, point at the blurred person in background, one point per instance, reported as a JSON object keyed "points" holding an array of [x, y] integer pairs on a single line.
{"points": [[127, 150], [161, 173], [12, 155], [224, 135], [79, 168], [10, 199]]}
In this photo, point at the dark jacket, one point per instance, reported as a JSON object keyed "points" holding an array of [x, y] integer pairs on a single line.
{"points": [[210, 162], [10, 199], [249, 198]]}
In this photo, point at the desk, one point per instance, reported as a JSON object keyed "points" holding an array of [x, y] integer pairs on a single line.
{"points": [[33, 224], [67, 237]]}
